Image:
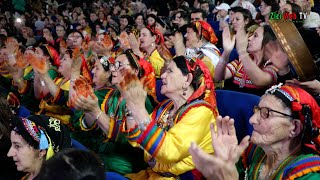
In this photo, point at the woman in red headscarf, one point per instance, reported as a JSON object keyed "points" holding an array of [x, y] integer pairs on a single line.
{"points": [[165, 135], [150, 39], [285, 142]]}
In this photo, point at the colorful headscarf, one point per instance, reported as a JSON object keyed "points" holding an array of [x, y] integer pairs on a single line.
{"points": [[156, 32], [205, 30], [43, 132], [304, 108], [146, 72], [202, 81], [53, 54]]}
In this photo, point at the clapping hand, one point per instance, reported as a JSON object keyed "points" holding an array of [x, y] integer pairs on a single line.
{"points": [[228, 40], [220, 165]]}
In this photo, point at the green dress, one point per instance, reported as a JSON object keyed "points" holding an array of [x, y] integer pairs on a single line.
{"points": [[113, 148], [297, 166]]}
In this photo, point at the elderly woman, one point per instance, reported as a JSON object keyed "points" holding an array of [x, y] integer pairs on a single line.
{"points": [[150, 38], [34, 140], [110, 117], [251, 73], [285, 140], [163, 134]]}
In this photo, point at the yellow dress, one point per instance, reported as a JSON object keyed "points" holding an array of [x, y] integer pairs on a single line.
{"points": [[166, 142], [157, 62]]}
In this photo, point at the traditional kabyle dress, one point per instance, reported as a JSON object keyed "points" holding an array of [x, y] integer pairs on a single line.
{"points": [[295, 166], [116, 152], [56, 106], [91, 137], [166, 140]]}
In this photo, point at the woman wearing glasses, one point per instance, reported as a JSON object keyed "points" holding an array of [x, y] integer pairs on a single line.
{"points": [[110, 116], [285, 142]]}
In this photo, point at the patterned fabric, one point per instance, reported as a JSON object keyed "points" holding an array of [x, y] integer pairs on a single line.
{"points": [[205, 30], [161, 140], [298, 165], [242, 80]]}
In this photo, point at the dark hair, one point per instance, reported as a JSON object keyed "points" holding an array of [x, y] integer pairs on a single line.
{"points": [[72, 164], [152, 16], [246, 16], [129, 18], [296, 9], [234, 9], [139, 14], [164, 22], [273, 3], [185, 16], [203, 13], [5, 117], [268, 35], [133, 60]]}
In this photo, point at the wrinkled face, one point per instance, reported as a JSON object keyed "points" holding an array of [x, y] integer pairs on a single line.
{"points": [[286, 8], [139, 21], [4, 32], [161, 28], [151, 21], [146, 39], [24, 156], [172, 81], [255, 41], [238, 21], [65, 64], [275, 128], [265, 9], [60, 31], [196, 17], [121, 64], [191, 38], [100, 76]]}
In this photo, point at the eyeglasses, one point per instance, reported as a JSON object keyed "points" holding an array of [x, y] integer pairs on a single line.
{"points": [[117, 65], [265, 112]]}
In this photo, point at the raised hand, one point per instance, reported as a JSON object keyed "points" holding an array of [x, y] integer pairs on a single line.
{"points": [[12, 45], [135, 45], [124, 41], [228, 40], [312, 86], [21, 62], [39, 65], [85, 104], [241, 40], [220, 165]]}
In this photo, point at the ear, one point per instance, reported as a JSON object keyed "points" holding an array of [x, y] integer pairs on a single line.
{"points": [[154, 37], [188, 80], [246, 21], [297, 128], [42, 154]]}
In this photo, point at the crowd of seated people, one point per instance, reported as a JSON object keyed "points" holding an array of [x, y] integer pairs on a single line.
{"points": [[134, 82]]}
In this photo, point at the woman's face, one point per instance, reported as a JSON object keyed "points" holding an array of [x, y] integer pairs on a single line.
{"points": [[265, 9], [139, 21], [101, 15], [275, 128], [100, 76], [191, 38], [4, 32], [172, 81], [146, 39], [65, 65], [77, 40], [25, 157], [151, 21], [238, 21], [46, 32], [39, 53], [60, 31], [121, 64], [161, 28], [255, 41]]}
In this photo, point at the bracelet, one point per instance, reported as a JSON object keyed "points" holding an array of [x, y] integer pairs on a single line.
{"points": [[97, 118], [143, 126]]}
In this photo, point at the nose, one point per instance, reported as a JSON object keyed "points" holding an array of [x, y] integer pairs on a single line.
{"points": [[10, 152], [254, 118], [163, 75]]}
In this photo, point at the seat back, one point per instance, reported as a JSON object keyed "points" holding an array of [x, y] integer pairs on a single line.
{"points": [[238, 106]]}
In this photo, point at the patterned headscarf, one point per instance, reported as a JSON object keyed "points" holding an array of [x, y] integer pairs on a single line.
{"points": [[202, 81], [205, 30], [43, 132], [146, 72], [156, 32], [304, 108]]}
